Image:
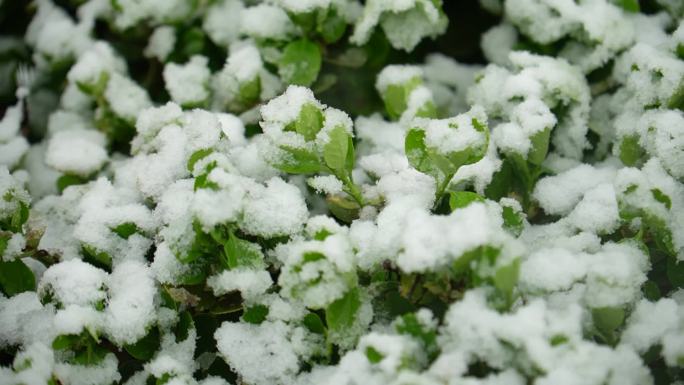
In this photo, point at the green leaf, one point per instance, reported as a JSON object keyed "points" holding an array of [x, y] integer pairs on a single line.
{"points": [[662, 198], [408, 324], [144, 348], [92, 354], [540, 147], [308, 123], [67, 180], [250, 91], [676, 101], [197, 156], [202, 180], [341, 314], [558, 339], [126, 229], [320, 235], [335, 152], [4, 240], [97, 89], [460, 199], [396, 97], [65, 341], [416, 151], [17, 219], [629, 5], [349, 162], [343, 209], [513, 220], [607, 320], [675, 272], [300, 63], [501, 183], [96, 258], [331, 26], [191, 42], [255, 314], [16, 277], [182, 328], [660, 233], [630, 150], [373, 355], [314, 323], [506, 278], [298, 161], [651, 291], [241, 253]]}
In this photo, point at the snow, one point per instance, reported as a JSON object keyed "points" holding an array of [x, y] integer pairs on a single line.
{"points": [[326, 184], [78, 151], [102, 373], [130, 309], [222, 21], [558, 194], [303, 6], [98, 59], [278, 209], [249, 283], [244, 347], [23, 320], [285, 108], [74, 282], [405, 22], [498, 42], [397, 75], [278, 27], [593, 76], [188, 83], [161, 43], [652, 323], [316, 272], [125, 97]]}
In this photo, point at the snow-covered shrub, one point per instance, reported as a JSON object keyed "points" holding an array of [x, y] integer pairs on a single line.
{"points": [[263, 192]]}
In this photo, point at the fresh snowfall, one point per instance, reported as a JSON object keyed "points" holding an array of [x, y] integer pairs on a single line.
{"points": [[343, 192]]}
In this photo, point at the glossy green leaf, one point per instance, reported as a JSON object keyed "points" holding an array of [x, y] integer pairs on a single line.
{"points": [[241, 253], [144, 348], [250, 91], [630, 151], [373, 355], [96, 258], [396, 97], [308, 123], [506, 277], [540, 147], [182, 328], [341, 314], [126, 229], [197, 156], [67, 180], [629, 5], [460, 199], [331, 26], [416, 151], [314, 323], [4, 241], [255, 314], [513, 220], [16, 277], [298, 161], [300, 63], [662, 198], [336, 150], [607, 320]]}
